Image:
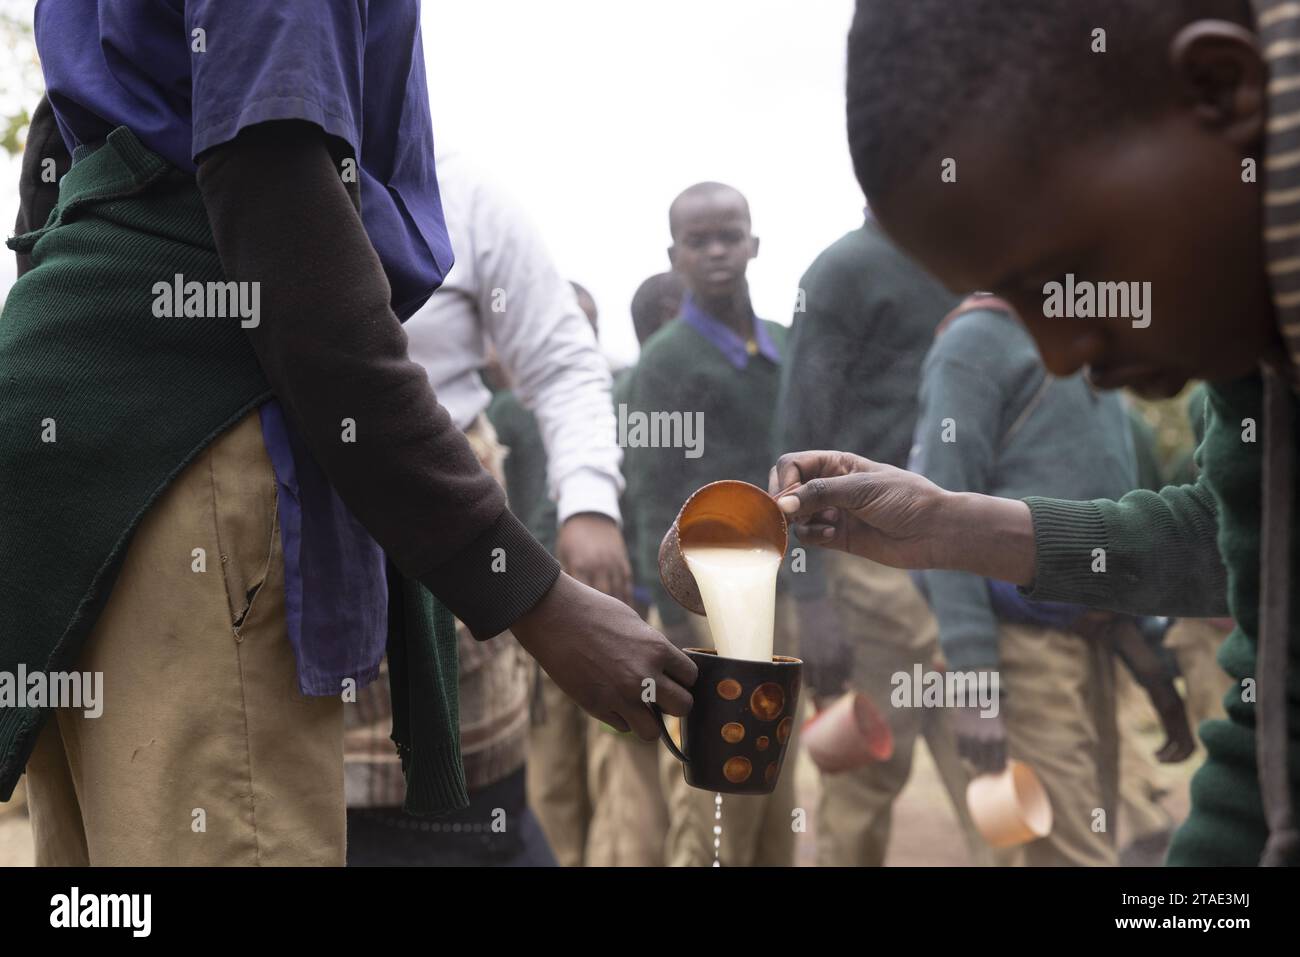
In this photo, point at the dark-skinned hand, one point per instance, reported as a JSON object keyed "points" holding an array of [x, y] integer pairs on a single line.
{"points": [[1121, 633], [981, 740], [600, 653], [590, 547], [858, 506]]}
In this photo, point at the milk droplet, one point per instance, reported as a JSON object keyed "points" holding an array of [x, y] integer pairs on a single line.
{"points": [[717, 830]]}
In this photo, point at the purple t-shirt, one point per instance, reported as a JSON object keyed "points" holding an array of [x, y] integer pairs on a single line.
{"points": [[188, 75]]}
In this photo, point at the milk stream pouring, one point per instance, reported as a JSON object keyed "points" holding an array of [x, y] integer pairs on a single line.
{"points": [[738, 587]]}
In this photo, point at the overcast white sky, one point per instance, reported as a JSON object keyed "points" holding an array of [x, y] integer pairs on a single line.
{"points": [[595, 114]]}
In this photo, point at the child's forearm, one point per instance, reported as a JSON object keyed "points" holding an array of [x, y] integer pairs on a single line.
{"points": [[985, 535]]}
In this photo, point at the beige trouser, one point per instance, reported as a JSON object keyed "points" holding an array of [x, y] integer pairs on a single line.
{"points": [[629, 815], [1195, 643], [206, 752], [629, 822], [557, 774], [892, 630], [757, 830], [1140, 788], [1059, 711]]}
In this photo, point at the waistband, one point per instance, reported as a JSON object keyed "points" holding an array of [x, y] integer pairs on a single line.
{"points": [[119, 162], [119, 166]]}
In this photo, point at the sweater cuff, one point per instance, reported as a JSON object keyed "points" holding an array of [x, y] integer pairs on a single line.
{"points": [[588, 490], [494, 579], [1067, 536]]}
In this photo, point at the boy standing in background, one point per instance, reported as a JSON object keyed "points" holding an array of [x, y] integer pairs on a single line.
{"points": [[717, 365]]}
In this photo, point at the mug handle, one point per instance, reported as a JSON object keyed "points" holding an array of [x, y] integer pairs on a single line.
{"points": [[667, 738]]}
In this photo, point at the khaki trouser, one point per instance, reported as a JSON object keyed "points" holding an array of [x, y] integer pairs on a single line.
{"points": [[1195, 643], [17, 803], [1059, 711], [629, 815], [557, 774], [757, 830], [1140, 788], [206, 752], [629, 822], [892, 630]]}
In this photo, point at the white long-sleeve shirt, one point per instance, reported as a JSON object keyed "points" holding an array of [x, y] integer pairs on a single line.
{"points": [[505, 289]]}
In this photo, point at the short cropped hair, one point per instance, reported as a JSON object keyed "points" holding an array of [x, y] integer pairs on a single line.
{"points": [[1025, 70]]}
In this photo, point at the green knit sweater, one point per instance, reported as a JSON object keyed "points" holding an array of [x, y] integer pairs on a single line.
{"points": [[133, 398], [991, 421], [1161, 558]]}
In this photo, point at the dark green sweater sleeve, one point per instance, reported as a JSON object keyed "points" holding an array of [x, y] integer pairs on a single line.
{"points": [[962, 408], [1149, 553], [656, 482], [805, 414], [622, 395]]}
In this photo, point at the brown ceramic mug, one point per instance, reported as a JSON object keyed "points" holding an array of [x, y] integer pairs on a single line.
{"points": [[734, 737], [720, 513]]}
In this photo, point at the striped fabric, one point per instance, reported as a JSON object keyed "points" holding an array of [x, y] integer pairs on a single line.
{"points": [[1278, 24]]}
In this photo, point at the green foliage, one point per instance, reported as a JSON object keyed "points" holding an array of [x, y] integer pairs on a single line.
{"points": [[20, 81], [13, 134]]}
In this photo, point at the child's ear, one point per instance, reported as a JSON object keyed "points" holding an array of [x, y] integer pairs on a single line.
{"points": [[672, 255], [1220, 73], [753, 247]]}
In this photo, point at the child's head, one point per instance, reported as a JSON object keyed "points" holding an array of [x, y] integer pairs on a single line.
{"points": [[712, 242], [1002, 148], [655, 303]]}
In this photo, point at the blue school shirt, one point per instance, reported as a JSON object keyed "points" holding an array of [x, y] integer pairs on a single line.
{"points": [[188, 75], [727, 340]]}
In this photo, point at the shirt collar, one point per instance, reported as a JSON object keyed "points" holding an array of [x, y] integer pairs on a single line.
{"points": [[725, 339]]}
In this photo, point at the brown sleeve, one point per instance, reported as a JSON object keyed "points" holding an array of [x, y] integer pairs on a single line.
{"points": [[333, 349], [38, 192]]}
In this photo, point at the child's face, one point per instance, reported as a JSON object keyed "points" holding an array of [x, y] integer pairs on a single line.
{"points": [[712, 245], [1162, 203]]}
